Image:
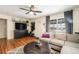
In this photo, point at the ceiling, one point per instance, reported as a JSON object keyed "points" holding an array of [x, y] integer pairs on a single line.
{"points": [[14, 10]]}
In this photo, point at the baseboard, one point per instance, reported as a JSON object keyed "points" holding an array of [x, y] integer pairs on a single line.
{"points": [[3, 38]]}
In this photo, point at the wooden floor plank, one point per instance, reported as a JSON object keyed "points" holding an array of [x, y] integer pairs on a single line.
{"points": [[6, 45]]}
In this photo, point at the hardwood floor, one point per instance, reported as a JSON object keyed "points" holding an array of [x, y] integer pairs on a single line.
{"points": [[6, 45]]}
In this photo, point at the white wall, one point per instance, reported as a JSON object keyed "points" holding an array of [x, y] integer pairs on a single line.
{"points": [[76, 20], [10, 25], [40, 23], [57, 16], [40, 26], [2, 28], [8, 18]]}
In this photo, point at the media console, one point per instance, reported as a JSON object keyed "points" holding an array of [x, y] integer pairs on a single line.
{"points": [[20, 33]]}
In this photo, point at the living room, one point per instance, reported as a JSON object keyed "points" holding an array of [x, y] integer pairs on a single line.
{"points": [[59, 23]]}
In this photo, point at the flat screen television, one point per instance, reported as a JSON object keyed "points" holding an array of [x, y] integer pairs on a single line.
{"points": [[20, 26]]}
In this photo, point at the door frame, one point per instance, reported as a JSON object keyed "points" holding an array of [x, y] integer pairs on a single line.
{"points": [[5, 26]]}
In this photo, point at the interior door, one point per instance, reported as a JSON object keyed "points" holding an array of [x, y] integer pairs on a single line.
{"points": [[3, 29]]}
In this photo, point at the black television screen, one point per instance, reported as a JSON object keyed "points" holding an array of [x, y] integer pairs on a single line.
{"points": [[20, 26]]}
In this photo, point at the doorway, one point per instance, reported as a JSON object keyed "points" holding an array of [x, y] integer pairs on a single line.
{"points": [[3, 28]]}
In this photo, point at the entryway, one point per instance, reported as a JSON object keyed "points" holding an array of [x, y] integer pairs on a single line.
{"points": [[3, 28]]}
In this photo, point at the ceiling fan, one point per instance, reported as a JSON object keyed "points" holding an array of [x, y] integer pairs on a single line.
{"points": [[31, 9]]}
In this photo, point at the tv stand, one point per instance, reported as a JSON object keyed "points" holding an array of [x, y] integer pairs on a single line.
{"points": [[20, 33]]}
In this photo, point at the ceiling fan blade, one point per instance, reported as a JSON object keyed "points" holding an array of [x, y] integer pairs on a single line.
{"points": [[34, 13], [27, 13], [38, 11], [31, 9], [24, 9]]}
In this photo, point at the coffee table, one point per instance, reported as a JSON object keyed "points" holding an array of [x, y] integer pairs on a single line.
{"points": [[33, 48]]}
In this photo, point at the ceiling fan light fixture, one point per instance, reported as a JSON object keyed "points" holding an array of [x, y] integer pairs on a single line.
{"points": [[31, 10]]}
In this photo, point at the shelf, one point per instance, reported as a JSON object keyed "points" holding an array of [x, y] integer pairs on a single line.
{"points": [[57, 25]]}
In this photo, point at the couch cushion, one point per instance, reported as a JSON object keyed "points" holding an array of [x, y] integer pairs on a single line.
{"points": [[56, 47], [60, 36], [52, 36], [45, 39], [57, 42]]}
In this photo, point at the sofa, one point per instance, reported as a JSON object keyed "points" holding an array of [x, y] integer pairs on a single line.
{"points": [[56, 41], [65, 43]]}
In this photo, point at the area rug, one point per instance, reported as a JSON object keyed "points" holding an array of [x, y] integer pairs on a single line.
{"points": [[18, 50], [31, 48]]}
